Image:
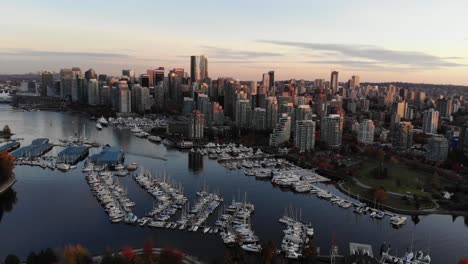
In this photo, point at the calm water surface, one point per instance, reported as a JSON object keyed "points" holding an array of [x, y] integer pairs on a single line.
{"points": [[52, 209]]}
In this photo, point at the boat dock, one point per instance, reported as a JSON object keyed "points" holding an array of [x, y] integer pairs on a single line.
{"points": [[9, 146], [73, 155], [38, 147], [109, 156]]}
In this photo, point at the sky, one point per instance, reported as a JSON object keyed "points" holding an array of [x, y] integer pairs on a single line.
{"points": [[415, 41]]}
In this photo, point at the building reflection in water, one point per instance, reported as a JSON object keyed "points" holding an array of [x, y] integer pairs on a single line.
{"points": [[7, 201], [195, 161]]}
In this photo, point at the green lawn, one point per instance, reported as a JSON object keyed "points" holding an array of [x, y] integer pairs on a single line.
{"points": [[401, 179], [392, 201]]}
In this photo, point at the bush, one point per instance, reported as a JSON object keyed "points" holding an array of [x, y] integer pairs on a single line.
{"points": [[12, 259]]}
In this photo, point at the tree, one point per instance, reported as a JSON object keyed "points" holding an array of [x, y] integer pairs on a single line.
{"points": [[12, 259], [463, 261], [171, 256], [7, 164], [6, 130], [435, 180], [269, 253], [128, 254], [379, 194], [310, 252], [76, 255]]}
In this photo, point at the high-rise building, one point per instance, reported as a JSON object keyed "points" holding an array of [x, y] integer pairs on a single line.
{"points": [[402, 135], [356, 81], [47, 83], [444, 106], [282, 131], [90, 74], [66, 80], [242, 113], [93, 92], [334, 82], [158, 75], [271, 104], [331, 130], [197, 123], [258, 118], [271, 77], [145, 80], [141, 100], [198, 68], [124, 98], [430, 121], [265, 82], [400, 109], [217, 114], [203, 67], [130, 73], [366, 132], [304, 137], [437, 148]]}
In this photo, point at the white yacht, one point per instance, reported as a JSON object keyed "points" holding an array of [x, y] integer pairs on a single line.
{"points": [[252, 247], [398, 220], [5, 96], [103, 121], [63, 166], [98, 126]]}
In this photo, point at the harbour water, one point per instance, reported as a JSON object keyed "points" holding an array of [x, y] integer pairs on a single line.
{"points": [[51, 209]]}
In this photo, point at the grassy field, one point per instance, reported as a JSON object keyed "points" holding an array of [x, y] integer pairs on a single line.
{"points": [[401, 179], [392, 201]]}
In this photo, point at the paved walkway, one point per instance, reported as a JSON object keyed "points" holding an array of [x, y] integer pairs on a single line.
{"points": [[7, 185], [359, 183]]}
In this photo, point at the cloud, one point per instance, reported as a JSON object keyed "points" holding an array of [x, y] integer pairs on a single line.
{"points": [[223, 53], [75, 54], [374, 55]]}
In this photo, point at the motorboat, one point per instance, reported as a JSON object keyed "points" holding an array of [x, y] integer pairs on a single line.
{"points": [[155, 139], [63, 166], [103, 121], [119, 167], [398, 221], [252, 247], [132, 166], [98, 126], [5, 96]]}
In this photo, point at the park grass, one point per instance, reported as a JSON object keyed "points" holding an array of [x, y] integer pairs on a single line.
{"points": [[411, 181], [392, 201]]}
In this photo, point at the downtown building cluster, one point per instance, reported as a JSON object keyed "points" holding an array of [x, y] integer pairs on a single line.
{"points": [[293, 112]]}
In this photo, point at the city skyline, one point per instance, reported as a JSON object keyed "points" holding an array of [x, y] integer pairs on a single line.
{"points": [[378, 41]]}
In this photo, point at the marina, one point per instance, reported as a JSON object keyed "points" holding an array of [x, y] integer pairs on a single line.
{"points": [[10, 146], [72, 155], [88, 222]]}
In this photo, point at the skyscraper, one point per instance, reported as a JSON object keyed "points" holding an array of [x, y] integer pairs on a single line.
{"points": [[197, 122], [271, 76], [145, 80], [304, 137], [203, 67], [242, 113], [444, 106], [47, 83], [430, 121], [124, 98], [258, 118], [400, 109], [90, 74], [331, 130], [265, 82], [356, 81], [158, 75], [93, 92], [366, 132], [334, 82], [198, 68], [66, 80], [130, 73]]}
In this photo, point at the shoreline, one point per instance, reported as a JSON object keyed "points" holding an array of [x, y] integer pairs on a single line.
{"points": [[6, 186]]}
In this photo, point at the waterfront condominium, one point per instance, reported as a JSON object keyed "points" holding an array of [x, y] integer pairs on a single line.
{"points": [[331, 130], [304, 137], [366, 132]]}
